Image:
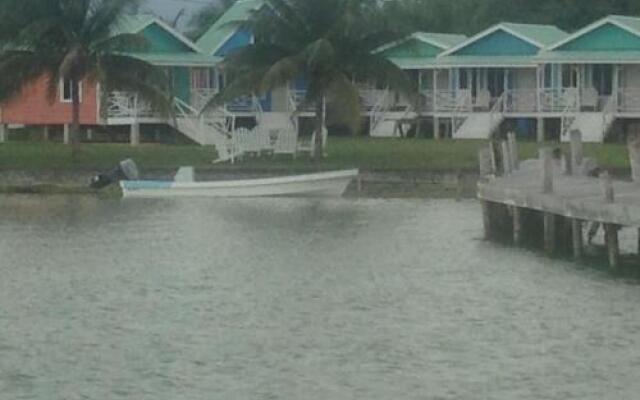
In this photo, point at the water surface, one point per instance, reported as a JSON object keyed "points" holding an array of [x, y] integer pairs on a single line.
{"points": [[298, 299]]}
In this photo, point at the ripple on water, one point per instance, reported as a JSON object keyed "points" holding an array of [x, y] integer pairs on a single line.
{"points": [[298, 299]]}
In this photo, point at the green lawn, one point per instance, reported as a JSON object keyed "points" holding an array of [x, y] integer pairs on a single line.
{"points": [[361, 152]]}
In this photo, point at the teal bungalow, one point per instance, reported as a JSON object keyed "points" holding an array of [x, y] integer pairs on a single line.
{"points": [[493, 76], [596, 74]]}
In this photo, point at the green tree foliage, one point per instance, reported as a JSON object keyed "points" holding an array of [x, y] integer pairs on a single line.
{"points": [[472, 16], [330, 43], [73, 40], [205, 17]]}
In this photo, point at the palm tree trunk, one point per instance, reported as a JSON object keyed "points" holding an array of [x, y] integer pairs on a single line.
{"points": [[75, 117], [320, 123]]}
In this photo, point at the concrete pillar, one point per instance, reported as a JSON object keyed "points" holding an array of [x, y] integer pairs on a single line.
{"points": [[540, 130], [3, 133], [135, 134], [66, 135], [45, 133], [436, 128], [89, 134]]}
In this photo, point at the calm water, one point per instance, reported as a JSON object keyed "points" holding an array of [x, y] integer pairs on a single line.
{"points": [[300, 300]]}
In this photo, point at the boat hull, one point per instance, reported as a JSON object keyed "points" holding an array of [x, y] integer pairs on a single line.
{"points": [[327, 184]]}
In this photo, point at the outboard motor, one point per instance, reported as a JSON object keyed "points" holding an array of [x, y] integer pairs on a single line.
{"points": [[126, 170]]}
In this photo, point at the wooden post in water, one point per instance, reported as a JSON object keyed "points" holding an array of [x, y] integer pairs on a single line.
{"points": [[576, 235], [546, 175], [507, 166], [513, 150], [517, 225], [485, 159], [610, 230], [546, 165], [576, 151], [486, 219], [633, 144]]}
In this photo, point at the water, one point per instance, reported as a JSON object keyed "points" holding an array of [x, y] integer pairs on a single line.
{"points": [[298, 299]]}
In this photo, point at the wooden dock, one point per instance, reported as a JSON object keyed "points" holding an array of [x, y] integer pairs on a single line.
{"points": [[550, 200]]}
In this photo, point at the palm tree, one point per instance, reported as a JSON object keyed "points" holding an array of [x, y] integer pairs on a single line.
{"points": [[205, 17], [329, 43], [73, 40]]}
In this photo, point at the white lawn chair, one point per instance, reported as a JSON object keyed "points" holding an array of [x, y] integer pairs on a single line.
{"points": [[307, 146], [483, 100], [286, 142], [589, 99]]}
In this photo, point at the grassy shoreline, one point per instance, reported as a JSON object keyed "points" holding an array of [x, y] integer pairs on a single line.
{"points": [[365, 153]]}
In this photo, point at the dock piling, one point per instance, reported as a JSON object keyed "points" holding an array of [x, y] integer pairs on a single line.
{"points": [[517, 225], [610, 230], [513, 150], [633, 145], [546, 165], [576, 150], [576, 236], [507, 166], [486, 162]]}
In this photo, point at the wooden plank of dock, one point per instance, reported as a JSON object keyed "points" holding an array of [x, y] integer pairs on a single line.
{"points": [[559, 188]]}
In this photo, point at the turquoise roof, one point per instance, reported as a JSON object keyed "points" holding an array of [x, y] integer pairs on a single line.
{"points": [[631, 22], [543, 34], [590, 57], [443, 40], [487, 61], [178, 59], [227, 25], [133, 23]]}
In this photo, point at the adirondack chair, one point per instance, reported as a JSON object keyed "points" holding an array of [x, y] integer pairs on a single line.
{"points": [[306, 146], [286, 142], [483, 100]]}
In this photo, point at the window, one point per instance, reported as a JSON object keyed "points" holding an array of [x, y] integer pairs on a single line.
{"points": [[66, 91], [203, 78]]}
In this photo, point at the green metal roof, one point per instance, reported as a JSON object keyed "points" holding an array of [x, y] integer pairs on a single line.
{"points": [[132, 23], [178, 59], [224, 27], [543, 34], [413, 62], [631, 22], [589, 57], [442, 40], [486, 61]]}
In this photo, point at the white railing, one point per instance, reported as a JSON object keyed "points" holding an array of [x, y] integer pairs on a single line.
{"points": [[128, 105], [569, 113], [463, 106], [425, 101], [629, 100], [520, 100], [379, 109], [201, 97], [558, 100]]}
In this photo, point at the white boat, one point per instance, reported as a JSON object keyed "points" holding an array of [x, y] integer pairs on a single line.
{"points": [[324, 184]]}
